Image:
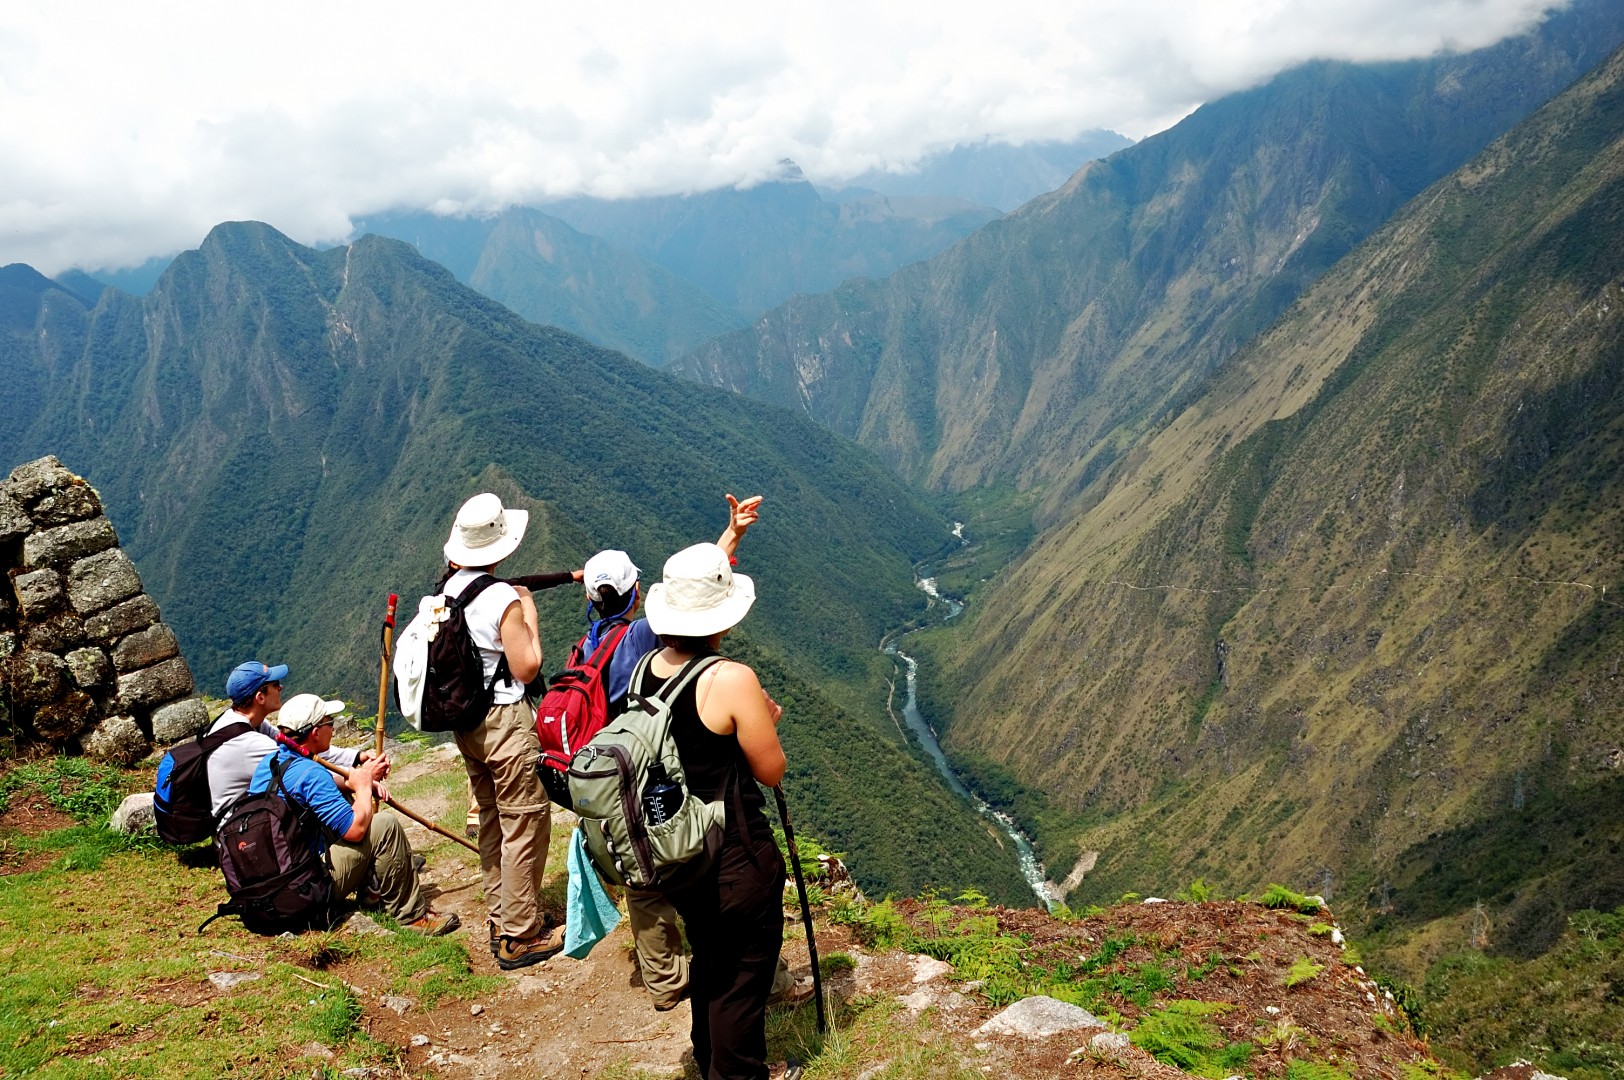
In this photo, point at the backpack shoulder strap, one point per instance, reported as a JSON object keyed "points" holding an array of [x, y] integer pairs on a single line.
{"points": [[607, 646], [210, 742], [473, 589]]}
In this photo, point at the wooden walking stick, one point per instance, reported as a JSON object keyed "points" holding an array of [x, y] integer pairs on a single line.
{"points": [[383, 674], [806, 908], [420, 819]]}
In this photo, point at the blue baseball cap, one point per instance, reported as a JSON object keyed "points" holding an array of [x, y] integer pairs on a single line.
{"points": [[246, 678]]}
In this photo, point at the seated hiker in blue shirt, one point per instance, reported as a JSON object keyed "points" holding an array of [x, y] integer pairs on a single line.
{"points": [[363, 845]]}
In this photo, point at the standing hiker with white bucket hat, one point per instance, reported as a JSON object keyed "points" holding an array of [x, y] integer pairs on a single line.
{"points": [[725, 727], [500, 754]]}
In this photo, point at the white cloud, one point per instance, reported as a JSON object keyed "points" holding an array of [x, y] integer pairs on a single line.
{"points": [[128, 129]]}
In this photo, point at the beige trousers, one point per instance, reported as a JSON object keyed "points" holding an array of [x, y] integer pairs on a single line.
{"points": [[383, 853], [659, 945], [515, 822]]}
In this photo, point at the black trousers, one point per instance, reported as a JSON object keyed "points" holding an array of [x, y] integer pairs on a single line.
{"points": [[735, 921]]}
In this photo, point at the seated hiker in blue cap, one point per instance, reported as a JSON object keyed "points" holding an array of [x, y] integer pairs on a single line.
{"points": [[363, 843], [255, 690]]}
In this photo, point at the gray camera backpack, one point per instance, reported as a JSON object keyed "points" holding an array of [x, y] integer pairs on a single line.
{"points": [[642, 826]]}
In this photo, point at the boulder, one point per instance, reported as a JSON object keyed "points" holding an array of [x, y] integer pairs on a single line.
{"points": [[90, 667], [118, 739], [39, 592], [120, 619], [32, 479], [65, 543], [154, 685], [34, 677], [76, 502], [57, 634], [101, 581], [67, 716], [1039, 1017], [145, 648], [13, 522], [134, 814], [179, 720]]}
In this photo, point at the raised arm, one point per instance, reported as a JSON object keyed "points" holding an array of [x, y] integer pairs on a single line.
{"points": [[740, 516]]}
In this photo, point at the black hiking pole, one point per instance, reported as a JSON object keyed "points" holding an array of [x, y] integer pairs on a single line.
{"points": [[806, 908]]}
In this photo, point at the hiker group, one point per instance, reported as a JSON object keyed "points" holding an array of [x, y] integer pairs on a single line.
{"points": [[649, 735]]}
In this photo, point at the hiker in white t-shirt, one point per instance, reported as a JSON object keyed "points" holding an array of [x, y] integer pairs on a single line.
{"points": [[500, 754]]}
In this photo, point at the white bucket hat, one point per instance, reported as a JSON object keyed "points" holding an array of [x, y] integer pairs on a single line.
{"points": [[485, 533], [302, 713], [700, 596]]}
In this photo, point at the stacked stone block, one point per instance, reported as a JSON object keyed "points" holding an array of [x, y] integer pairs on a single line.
{"points": [[85, 662]]}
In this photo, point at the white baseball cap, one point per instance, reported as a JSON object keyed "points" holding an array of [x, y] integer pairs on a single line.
{"points": [[613, 568], [302, 713]]}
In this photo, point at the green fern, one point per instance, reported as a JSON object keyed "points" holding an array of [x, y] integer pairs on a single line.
{"points": [[1301, 971], [1315, 1070], [1278, 896]]}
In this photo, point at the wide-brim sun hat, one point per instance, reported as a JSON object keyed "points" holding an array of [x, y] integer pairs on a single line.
{"points": [[700, 594], [485, 532], [300, 714]]}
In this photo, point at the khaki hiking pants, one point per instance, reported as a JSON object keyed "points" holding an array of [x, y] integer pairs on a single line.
{"points": [[515, 822], [659, 945], [383, 853]]}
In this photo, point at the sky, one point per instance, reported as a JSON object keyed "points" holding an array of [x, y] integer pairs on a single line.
{"points": [[129, 129]]}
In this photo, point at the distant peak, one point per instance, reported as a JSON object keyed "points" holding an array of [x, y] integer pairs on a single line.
{"points": [[788, 173]]}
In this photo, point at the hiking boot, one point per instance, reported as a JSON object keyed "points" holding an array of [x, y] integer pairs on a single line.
{"points": [[522, 952], [433, 924], [798, 993]]}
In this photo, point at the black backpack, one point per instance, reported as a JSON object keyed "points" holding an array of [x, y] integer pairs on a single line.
{"points": [[456, 695], [180, 796], [277, 880]]}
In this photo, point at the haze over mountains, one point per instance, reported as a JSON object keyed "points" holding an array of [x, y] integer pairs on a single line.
{"points": [[1041, 347], [282, 435]]}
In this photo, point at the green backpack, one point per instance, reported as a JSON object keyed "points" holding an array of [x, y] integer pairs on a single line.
{"points": [[643, 827]]}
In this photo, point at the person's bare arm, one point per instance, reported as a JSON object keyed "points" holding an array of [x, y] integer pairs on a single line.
{"points": [[521, 639], [732, 701], [740, 516]]}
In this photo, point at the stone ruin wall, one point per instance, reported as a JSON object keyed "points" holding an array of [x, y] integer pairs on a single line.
{"points": [[86, 665]]}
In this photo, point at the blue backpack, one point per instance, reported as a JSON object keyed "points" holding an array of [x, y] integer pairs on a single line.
{"points": [[180, 796]]}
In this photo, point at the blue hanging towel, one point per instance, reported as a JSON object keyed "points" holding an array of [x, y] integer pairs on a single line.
{"points": [[590, 913]]}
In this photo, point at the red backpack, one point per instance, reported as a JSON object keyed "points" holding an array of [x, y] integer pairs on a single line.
{"points": [[574, 708]]}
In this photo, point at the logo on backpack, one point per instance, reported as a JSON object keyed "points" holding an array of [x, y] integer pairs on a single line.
{"points": [[180, 795], [641, 824], [277, 879], [440, 680], [572, 711]]}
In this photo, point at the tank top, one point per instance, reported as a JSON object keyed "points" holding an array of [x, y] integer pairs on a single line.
{"points": [[709, 760]]}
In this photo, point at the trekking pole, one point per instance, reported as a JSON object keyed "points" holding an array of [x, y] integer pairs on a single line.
{"points": [[420, 819], [806, 908], [383, 674]]}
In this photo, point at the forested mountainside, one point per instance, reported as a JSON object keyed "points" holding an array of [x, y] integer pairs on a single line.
{"points": [[282, 436], [992, 174], [541, 268], [1354, 614], [756, 247], [1039, 349]]}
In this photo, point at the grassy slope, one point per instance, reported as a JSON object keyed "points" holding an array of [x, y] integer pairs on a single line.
{"points": [[1396, 514]]}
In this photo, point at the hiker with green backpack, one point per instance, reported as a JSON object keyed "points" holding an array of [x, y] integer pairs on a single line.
{"points": [[614, 593], [720, 740]]}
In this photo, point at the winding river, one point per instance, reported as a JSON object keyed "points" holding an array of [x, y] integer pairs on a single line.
{"points": [[1031, 869]]}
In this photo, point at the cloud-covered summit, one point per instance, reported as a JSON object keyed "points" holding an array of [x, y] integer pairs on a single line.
{"points": [[127, 130]]}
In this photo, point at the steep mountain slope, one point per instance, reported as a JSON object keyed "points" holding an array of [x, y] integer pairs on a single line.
{"points": [[1352, 616], [282, 435], [1039, 348], [758, 247], [993, 174], [538, 266]]}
